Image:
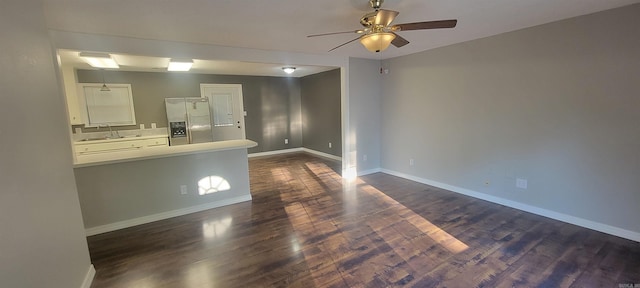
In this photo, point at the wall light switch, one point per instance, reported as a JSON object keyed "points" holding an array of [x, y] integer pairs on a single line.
{"points": [[329, 144], [286, 141]]}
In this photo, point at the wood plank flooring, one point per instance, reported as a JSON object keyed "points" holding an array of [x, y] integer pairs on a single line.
{"points": [[307, 228]]}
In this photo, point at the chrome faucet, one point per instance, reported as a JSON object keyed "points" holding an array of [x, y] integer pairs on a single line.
{"points": [[110, 130]]}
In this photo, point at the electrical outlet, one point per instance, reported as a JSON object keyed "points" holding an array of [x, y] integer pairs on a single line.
{"points": [[286, 141], [329, 144], [183, 190], [521, 183], [411, 162], [364, 157]]}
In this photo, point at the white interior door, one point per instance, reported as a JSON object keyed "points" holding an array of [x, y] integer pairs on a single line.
{"points": [[227, 110]]}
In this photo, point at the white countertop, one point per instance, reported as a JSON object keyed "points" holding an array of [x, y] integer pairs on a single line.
{"points": [[157, 152]]}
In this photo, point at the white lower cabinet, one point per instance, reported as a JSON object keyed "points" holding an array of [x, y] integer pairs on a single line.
{"points": [[116, 145]]}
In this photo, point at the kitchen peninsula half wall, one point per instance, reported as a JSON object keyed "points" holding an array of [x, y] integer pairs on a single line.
{"points": [[125, 190]]}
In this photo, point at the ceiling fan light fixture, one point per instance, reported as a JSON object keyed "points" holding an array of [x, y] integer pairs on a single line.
{"points": [[377, 42], [99, 60], [180, 65], [289, 70]]}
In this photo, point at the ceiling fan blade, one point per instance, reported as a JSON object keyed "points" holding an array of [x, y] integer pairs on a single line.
{"points": [[425, 25], [334, 48], [385, 17], [334, 33], [399, 41]]}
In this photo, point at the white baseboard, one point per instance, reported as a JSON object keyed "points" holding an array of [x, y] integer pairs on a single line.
{"points": [[275, 152], [605, 228], [322, 154], [293, 150], [370, 171], [88, 278], [164, 215]]}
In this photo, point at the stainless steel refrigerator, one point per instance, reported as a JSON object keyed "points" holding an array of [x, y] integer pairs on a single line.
{"points": [[189, 120]]}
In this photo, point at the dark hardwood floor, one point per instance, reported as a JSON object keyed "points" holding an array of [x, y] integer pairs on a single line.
{"points": [[307, 228]]}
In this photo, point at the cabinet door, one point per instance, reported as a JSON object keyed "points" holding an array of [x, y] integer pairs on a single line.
{"points": [[156, 142], [84, 149]]}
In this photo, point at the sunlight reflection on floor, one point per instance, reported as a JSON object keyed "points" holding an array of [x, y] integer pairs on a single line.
{"points": [[322, 239]]}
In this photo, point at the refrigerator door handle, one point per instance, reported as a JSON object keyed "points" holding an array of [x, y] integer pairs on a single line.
{"points": [[189, 128]]}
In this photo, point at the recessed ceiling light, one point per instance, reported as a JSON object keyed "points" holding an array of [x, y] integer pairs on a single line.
{"points": [[99, 60], [289, 70], [180, 65]]}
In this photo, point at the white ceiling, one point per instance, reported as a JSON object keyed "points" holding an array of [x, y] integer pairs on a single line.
{"points": [[283, 25]]}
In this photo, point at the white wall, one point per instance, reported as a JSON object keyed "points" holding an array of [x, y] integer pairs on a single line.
{"points": [[556, 104], [365, 112], [42, 241]]}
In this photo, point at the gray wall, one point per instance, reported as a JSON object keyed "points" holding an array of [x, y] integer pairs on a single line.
{"points": [[321, 119], [124, 191], [272, 103], [365, 112], [42, 242], [557, 104]]}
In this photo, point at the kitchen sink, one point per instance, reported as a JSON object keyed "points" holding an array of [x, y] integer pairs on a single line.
{"points": [[107, 138], [94, 139]]}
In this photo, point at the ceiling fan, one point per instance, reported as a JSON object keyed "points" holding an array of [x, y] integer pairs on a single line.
{"points": [[378, 33]]}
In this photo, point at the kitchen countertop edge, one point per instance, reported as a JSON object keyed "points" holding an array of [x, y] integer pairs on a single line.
{"points": [[160, 152]]}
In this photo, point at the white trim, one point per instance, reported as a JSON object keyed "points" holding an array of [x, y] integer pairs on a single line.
{"points": [[370, 171], [605, 228], [293, 150], [275, 152], [164, 215], [88, 278], [322, 154]]}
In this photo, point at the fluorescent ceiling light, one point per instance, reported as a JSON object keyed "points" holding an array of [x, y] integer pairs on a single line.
{"points": [[99, 60], [180, 65], [288, 70]]}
